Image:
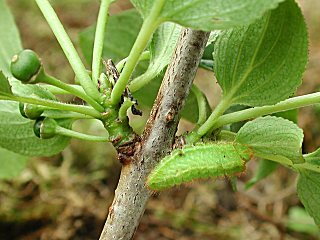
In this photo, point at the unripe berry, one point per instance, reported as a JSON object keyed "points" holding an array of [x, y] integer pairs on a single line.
{"points": [[25, 66], [30, 111], [45, 128]]}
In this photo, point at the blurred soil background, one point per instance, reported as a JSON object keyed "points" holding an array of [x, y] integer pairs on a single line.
{"points": [[67, 196]]}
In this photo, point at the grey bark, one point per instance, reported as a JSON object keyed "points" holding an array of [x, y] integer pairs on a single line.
{"points": [[131, 194]]}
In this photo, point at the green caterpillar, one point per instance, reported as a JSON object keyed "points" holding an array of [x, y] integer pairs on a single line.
{"points": [[198, 162]]}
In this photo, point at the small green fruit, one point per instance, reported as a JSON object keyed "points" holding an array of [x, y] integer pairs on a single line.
{"points": [[30, 111], [45, 128], [25, 66]]}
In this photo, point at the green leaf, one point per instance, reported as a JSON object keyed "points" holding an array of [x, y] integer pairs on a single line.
{"points": [[11, 164], [212, 39], [235, 127], [29, 143], [162, 46], [263, 63], [30, 90], [291, 115], [10, 43], [208, 52], [308, 189], [5, 88], [207, 57], [314, 157], [190, 111], [199, 162], [148, 93], [16, 134], [208, 15], [122, 31], [273, 138], [264, 169], [312, 162], [300, 221], [161, 49]]}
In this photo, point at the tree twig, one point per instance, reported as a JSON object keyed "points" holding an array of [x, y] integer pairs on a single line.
{"points": [[131, 194]]}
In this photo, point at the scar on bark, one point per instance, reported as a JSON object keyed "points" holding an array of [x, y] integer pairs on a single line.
{"points": [[126, 151]]}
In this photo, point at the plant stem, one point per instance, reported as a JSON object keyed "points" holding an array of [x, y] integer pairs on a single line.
{"points": [[55, 105], [288, 163], [291, 103], [68, 48], [308, 166], [142, 80], [99, 39], [207, 126], [56, 90], [123, 109], [70, 89], [57, 114], [148, 27], [69, 133], [206, 64], [202, 104], [144, 56], [132, 194]]}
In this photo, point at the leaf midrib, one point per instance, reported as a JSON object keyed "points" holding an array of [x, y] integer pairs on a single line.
{"points": [[236, 87]]}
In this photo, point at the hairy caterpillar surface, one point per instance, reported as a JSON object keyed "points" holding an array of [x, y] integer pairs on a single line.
{"points": [[200, 161]]}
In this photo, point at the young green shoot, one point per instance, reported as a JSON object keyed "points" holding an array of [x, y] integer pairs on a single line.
{"points": [[149, 26], [217, 120], [46, 128], [73, 134], [99, 39], [206, 127], [72, 90], [122, 115], [144, 56], [202, 104], [56, 90], [58, 114], [86, 110], [289, 104], [69, 49]]}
